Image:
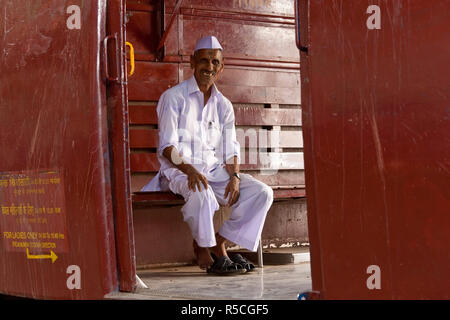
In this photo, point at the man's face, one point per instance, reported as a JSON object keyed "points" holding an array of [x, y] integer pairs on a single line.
{"points": [[207, 65]]}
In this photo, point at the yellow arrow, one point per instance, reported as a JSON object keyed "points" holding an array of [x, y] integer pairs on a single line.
{"points": [[52, 256]]}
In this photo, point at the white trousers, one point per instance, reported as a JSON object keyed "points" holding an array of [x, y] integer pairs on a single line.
{"points": [[244, 227]]}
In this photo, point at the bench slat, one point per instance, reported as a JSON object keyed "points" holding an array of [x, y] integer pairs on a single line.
{"points": [[142, 114], [144, 138], [148, 162], [169, 198], [156, 196], [286, 179], [245, 116], [256, 116], [148, 138], [276, 161], [144, 162], [285, 139]]}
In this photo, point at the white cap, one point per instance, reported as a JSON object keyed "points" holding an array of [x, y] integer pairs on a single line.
{"points": [[208, 42]]}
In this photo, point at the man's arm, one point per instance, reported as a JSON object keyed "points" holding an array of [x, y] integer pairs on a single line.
{"points": [[195, 179], [233, 167], [231, 154], [232, 188], [168, 115]]}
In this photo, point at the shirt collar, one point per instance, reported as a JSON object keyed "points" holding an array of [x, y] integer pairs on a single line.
{"points": [[193, 87]]}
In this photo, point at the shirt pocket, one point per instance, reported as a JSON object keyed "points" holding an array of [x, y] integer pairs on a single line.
{"points": [[213, 134]]}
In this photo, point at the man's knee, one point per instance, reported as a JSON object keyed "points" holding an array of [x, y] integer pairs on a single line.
{"points": [[200, 207], [263, 191], [202, 196], [267, 192]]}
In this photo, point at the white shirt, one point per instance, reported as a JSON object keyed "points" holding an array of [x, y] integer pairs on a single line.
{"points": [[205, 136]]}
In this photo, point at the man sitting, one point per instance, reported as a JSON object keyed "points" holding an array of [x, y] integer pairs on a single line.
{"points": [[199, 157]]}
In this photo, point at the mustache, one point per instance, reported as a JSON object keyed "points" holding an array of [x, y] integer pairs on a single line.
{"points": [[211, 72]]}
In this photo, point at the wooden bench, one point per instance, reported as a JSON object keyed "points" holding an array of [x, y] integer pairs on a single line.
{"points": [[251, 121]]}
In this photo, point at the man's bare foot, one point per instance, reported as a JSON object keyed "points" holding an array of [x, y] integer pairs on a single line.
{"points": [[203, 257], [219, 250]]}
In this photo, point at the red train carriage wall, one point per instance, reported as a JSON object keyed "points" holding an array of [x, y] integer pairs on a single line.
{"points": [[375, 92], [56, 219]]}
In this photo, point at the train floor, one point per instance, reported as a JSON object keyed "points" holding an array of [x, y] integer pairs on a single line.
{"points": [[272, 282]]}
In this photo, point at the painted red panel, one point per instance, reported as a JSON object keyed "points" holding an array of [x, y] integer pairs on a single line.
{"points": [[257, 85], [376, 133], [144, 162], [143, 114], [140, 31], [151, 79], [282, 8], [55, 138], [144, 138], [235, 35]]}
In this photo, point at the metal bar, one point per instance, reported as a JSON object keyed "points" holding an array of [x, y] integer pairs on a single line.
{"points": [[106, 60], [132, 61], [260, 254], [297, 29], [169, 26]]}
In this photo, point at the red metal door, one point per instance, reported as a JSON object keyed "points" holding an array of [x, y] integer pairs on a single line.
{"points": [[56, 219], [117, 92], [375, 93]]}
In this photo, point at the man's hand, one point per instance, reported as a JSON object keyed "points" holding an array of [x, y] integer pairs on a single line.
{"points": [[196, 179], [232, 189]]}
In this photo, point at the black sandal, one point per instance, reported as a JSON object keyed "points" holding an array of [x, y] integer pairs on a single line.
{"points": [[223, 266], [240, 260]]}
